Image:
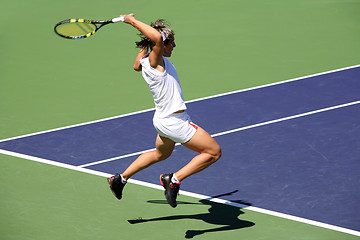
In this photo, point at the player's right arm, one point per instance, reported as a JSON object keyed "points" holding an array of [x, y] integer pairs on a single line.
{"points": [[151, 33]]}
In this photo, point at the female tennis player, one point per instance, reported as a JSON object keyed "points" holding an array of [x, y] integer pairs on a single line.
{"points": [[171, 120]]}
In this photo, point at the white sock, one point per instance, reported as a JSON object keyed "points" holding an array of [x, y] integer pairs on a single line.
{"points": [[174, 179], [123, 179]]}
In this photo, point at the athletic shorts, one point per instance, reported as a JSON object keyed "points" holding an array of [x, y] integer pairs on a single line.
{"points": [[177, 126]]}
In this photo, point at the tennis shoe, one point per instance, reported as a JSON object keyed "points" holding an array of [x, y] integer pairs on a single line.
{"points": [[171, 189], [116, 185]]}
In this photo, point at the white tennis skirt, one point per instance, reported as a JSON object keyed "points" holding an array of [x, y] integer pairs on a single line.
{"points": [[177, 126]]}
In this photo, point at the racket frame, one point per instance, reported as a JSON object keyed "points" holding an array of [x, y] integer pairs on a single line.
{"points": [[80, 20]]}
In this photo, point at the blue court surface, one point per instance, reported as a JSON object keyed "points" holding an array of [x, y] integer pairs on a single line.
{"points": [[291, 147]]}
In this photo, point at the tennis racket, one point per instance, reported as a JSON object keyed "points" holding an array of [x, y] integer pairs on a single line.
{"points": [[81, 28]]}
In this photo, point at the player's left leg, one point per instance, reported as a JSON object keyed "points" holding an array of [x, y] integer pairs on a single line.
{"points": [[209, 152]]}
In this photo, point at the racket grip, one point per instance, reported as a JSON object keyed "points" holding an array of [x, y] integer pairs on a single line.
{"points": [[118, 19]]}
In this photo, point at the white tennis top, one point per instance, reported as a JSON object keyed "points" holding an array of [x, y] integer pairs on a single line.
{"points": [[164, 86]]}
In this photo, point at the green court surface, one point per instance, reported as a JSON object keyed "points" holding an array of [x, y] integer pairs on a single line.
{"points": [[48, 82], [40, 201]]}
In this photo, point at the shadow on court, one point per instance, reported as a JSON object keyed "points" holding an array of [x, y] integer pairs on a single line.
{"points": [[218, 214]]}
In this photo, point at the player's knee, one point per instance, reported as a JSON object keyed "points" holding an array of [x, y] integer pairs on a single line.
{"points": [[162, 156], [217, 155]]}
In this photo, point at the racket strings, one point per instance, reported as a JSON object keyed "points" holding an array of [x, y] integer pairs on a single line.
{"points": [[76, 29]]}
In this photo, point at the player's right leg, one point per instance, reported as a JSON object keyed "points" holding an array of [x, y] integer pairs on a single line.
{"points": [[164, 148]]}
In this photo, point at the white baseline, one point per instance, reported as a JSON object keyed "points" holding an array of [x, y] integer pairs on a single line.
{"points": [[186, 193]]}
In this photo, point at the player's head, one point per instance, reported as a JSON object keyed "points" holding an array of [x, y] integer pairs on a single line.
{"points": [[169, 45], [164, 28], [166, 32]]}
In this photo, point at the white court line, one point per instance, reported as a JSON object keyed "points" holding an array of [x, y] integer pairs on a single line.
{"points": [[276, 83], [75, 125], [190, 101], [233, 130], [288, 118], [186, 193], [116, 158]]}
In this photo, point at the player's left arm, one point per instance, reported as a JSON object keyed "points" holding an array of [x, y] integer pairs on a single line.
{"points": [[137, 66]]}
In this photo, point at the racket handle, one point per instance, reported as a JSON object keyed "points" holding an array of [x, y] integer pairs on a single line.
{"points": [[118, 19]]}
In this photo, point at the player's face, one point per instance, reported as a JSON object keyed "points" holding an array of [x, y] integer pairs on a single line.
{"points": [[168, 48]]}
